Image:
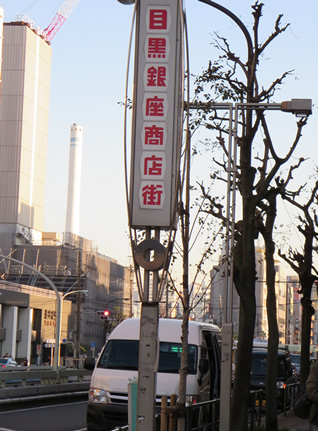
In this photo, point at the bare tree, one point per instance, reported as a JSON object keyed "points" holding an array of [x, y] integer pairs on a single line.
{"points": [[267, 217], [302, 263], [255, 176]]}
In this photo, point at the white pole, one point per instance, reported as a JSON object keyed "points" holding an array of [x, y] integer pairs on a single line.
{"points": [[60, 316], [74, 180]]}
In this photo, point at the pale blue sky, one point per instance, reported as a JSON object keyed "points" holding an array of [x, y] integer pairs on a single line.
{"points": [[88, 79]]}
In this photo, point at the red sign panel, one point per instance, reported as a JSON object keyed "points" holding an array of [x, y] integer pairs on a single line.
{"points": [[157, 114]]}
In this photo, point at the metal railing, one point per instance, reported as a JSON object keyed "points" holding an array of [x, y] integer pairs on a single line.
{"points": [[24, 376], [256, 408], [203, 416], [289, 396]]}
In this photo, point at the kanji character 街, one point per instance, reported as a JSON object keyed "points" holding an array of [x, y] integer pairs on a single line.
{"points": [[152, 195]]}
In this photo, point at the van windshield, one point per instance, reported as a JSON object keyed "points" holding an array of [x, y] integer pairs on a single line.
{"points": [[123, 355]]}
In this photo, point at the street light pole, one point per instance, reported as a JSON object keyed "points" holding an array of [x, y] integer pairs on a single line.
{"points": [[61, 316], [237, 21]]}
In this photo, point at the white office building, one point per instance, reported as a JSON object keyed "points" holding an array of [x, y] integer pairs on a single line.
{"points": [[24, 108]]}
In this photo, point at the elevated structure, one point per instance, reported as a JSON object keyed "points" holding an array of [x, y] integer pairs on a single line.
{"points": [[74, 264]]}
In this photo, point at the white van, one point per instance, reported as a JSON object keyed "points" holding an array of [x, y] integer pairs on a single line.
{"points": [[117, 365]]}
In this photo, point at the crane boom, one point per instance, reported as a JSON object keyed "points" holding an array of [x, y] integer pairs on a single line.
{"points": [[58, 20]]}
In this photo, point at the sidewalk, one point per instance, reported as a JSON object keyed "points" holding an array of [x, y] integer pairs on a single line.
{"points": [[292, 423]]}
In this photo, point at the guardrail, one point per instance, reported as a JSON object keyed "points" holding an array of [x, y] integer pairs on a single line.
{"points": [[40, 375], [25, 383]]}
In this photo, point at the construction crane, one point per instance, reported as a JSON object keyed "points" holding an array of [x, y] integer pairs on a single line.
{"points": [[61, 16]]}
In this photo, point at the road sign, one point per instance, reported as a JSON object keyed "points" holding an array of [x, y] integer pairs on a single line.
{"points": [[93, 345]]}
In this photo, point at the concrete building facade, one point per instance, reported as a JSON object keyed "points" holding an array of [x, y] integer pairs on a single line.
{"points": [[28, 321], [24, 109]]}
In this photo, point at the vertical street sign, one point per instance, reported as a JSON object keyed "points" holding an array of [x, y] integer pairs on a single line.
{"points": [[157, 114], [155, 159]]}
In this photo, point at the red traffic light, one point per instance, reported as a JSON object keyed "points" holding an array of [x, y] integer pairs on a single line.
{"points": [[103, 314]]}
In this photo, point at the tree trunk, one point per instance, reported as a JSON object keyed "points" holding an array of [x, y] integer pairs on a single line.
{"points": [[183, 367], [241, 389], [307, 312], [269, 212], [185, 219], [244, 277], [273, 335], [272, 355]]}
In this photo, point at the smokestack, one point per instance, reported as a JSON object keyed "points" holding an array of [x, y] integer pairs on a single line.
{"points": [[74, 180]]}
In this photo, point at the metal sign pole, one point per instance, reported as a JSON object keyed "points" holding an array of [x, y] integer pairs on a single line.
{"points": [[147, 366]]}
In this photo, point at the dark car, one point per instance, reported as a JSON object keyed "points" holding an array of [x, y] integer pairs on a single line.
{"points": [[285, 374]]}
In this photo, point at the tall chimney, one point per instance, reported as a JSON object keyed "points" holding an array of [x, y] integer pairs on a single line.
{"points": [[74, 180]]}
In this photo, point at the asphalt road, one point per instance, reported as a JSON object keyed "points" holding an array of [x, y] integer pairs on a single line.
{"points": [[62, 416]]}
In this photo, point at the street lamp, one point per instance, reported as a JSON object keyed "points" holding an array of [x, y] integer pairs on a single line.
{"points": [[69, 292]]}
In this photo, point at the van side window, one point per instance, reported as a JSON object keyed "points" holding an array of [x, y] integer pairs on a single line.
{"points": [[170, 357]]}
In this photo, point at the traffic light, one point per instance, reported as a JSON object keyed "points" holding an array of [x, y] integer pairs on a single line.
{"points": [[103, 314]]}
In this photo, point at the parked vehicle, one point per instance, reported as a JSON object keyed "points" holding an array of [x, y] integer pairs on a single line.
{"points": [[117, 365], [8, 362], [285, 374], [295, 359]]}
